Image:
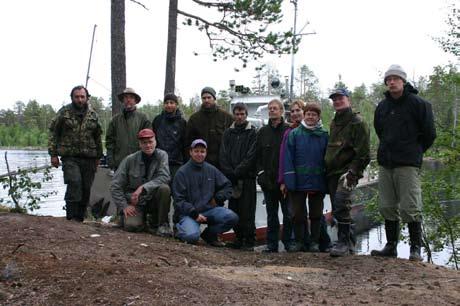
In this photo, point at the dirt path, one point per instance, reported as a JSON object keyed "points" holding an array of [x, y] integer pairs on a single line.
{"points": [[50, 261]]}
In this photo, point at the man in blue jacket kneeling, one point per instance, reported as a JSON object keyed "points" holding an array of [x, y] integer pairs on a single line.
{"points": [[199, 192]]}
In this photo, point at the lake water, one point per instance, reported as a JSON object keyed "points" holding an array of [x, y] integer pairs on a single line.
{"points": [[52, 206]]}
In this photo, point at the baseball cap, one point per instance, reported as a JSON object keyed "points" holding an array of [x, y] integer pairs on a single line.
{"points": [[145, 133], [339, 92], [198, 142]]}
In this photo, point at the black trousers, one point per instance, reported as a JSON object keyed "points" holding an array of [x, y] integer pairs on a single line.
{"points": [[245, 208]]}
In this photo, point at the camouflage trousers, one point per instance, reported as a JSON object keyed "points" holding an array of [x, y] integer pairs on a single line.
{"points": [[340, 199], [78, 176]]}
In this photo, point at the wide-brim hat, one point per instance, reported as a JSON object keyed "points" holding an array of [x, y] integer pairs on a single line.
{"points": [[129, 91]]}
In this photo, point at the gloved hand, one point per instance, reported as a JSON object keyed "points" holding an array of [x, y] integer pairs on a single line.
{"points": [[350, 180]]}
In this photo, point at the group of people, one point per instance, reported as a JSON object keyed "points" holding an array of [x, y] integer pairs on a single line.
{"points": [[217, 157]]}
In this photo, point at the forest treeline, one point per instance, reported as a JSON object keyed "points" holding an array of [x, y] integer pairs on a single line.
{"points": [[26, 124]]}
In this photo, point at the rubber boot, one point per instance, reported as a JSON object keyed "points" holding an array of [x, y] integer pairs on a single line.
{"points": [[342, 247], [391, 247], [415, 234]]}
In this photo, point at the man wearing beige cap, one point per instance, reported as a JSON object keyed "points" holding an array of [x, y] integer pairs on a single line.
{"points": [[120, 140], [405, 126], [140, 186]]}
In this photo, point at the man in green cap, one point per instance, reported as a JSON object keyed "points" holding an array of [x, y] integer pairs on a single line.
{"points": [[209, 124], [347, 155], [75, 135], [120, 140]]}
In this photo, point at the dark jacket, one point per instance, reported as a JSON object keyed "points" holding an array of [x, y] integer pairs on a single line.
{"points": [[121, 139], [349, 144], [238, 152], [304, 167], [170, 135], [209, 124], [75, 133], [195, 185], [405, 127], [267, 154], [131, 174]]}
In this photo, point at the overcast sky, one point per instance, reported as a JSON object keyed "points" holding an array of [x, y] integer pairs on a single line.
{"points": [[46, 43]]}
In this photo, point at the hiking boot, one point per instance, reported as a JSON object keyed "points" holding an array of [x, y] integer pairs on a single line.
{"points": [[268, 250], [216, 243], [237, 244], [164, 230], [415, 234], [295, 247], [391, 247], [343, 245], [313, 248]]}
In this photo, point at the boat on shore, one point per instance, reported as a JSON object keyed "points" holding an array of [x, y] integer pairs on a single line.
{"points": [[102, 205]]}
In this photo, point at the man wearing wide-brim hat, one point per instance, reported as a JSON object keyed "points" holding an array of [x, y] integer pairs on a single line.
{"points": [[121, 138]]}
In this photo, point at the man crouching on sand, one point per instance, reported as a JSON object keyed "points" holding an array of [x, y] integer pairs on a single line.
{"points": [[199, 192]]}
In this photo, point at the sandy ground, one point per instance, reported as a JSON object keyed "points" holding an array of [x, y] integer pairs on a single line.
{"points": [[51, 261]]}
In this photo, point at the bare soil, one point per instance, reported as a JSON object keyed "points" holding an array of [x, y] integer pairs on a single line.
{"points": [[51, 261]]}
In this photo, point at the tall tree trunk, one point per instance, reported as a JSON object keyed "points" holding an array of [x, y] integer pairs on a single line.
{"points": [[118, 52], [170, 78]]}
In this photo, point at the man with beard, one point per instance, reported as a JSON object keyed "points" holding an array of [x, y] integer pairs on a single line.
{"points": [[120, 140], [75, 135], [237, 162], [209, 124]]}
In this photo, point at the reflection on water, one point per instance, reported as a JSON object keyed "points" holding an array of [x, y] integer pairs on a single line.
{"points": [[52, 206], [375, 239]]}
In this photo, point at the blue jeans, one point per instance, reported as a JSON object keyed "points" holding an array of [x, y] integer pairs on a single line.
{"points": [[273, 199], [220, 220]]}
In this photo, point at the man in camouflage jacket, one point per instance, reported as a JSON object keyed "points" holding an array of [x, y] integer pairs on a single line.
{"points": [[75, 135], [347, 155]]}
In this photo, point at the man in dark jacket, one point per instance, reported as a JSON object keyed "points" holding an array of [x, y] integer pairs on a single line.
{"points": [[169, 127], [199, 191], [75, 135], [140, 186], [347, 155], [405, 127], [237, 162], [268, 145], [209, 124], [121, 140]]}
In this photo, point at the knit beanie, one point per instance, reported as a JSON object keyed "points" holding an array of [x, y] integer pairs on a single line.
{"points": [[170, 96], [397, 71], [210, 91]]}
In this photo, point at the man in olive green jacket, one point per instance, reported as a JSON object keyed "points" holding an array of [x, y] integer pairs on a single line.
{"points": [[347, 155], [140, 186], [75, 135], [209, 124], [120, 140]]}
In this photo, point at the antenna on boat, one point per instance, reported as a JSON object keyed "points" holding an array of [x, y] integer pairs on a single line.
{"points": [[294, 42], [90, 55]]}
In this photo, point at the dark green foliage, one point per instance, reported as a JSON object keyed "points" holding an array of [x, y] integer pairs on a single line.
{"points": [[24, 188], [241, 28]]}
